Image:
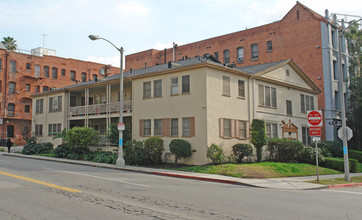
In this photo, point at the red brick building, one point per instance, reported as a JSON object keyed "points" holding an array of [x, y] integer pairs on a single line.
{"points": [[24, 74], [302, 35]]}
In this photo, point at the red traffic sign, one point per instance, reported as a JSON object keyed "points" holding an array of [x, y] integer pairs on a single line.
{"points": [[315, 131], [315, 118]]}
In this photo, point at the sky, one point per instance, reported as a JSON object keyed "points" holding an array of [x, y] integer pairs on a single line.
{"points": [[138, 25]]}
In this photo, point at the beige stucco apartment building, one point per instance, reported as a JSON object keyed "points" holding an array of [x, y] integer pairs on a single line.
{"points": [[199, 100]]}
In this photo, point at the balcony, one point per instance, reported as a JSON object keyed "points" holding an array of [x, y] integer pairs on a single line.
{"points": [[99, 109]]}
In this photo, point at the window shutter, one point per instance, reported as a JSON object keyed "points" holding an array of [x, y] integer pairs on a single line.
{"points": [[221, 126], [247, 130], [233, 128], [237, 128], [141, 128], [168, 127], [192, 126], [164, 127]]}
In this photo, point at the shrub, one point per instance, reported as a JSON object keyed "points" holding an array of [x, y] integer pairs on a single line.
{"points": [[216, 154], [330, 146], [338, 164], [242, 150], [33, 148], [103, 157], [134, 153], [180, 148], [62, 151], [307, 155], [355, 154], [284, 150], [154, 147], [258, 136], [81, 137]]}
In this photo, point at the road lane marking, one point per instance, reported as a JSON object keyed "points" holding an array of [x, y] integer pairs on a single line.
{"points": [[328, 190], [5, 161], [98, 177], [40, 182]]}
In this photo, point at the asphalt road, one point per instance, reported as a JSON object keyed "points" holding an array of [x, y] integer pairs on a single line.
{"points": [[35, 189]]}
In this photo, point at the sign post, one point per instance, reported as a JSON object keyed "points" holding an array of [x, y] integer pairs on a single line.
{"points": [[315, 123]]}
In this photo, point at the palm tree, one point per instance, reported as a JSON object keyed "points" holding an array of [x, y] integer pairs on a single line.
{"points": [[9, 43]]}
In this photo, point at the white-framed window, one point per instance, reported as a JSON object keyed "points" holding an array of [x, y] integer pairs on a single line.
{"points": [[157, 127], [38, 130], [174, 86], [227, 127], [174, 127], [267, 96], [242, 129], [54, 128], [188, 126], [271, 130], [241, 88], [306, 138], [185, 84], [289, 107], [240, 54], [226, 85], [157, 88], [254, 51], [147, 127], [55, 104], [226, 56], [306, 103], [147, 89]]}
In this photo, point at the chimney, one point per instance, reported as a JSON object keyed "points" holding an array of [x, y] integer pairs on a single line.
{"points": [[174, 52], [326, 14]]}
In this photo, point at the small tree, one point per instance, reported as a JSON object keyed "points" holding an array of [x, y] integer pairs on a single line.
{"points": [[258, 136], [154, 148], [180, 148], [242, 150], [60, 135], [81, 137], [216, 154]]}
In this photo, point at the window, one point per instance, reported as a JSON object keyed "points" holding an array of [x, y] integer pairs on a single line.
{"points": [[39, 106], [11, 108], [254, 51], [101, 71], [54, 73], [37, 70], [146, 128], [174, 126], [344, 73], [95, 76], [157, 127], [27, 109], [46, 71], [271, 130], [55, 104], [27, 87], [28, 66], [188, 127], [242, 129], [53, 129], [38, 130], [241, 88], [186, 84], [37, 89], [157, 88], [306, 103], [240, 54], [63, 72], [11, 88], [146, 90], [226, 85], [1, 86], [297, 14], [306, 138], [269, 46], [12, 66], [226, 56], [72, 75], [84, 77], [267, 96], [10, 131], [335, 71], [1, 64], [216, 55], [337, 102], [227, 128], [289, 107], [334, 39], [45, 88], [174, 86]]}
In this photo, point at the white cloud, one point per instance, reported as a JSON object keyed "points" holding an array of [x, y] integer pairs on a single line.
{"points": [[133, 8], [114, 61]]}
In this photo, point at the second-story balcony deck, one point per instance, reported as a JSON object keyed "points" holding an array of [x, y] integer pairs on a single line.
{"points": [[99, 109]]}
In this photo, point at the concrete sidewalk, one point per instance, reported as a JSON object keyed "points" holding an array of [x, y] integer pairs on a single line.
{"points": [[275, 183]]}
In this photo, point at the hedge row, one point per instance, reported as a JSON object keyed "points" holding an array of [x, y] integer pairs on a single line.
{"points": [[338, 164], [355, 154]]}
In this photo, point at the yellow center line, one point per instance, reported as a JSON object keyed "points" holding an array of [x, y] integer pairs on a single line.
{"points": [[40, 182]]}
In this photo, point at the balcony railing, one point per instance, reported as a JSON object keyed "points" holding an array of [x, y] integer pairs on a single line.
{"points": [[98, 109]]}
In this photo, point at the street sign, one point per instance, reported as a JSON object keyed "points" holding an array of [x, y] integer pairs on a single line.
{"points": [[315, 131], [121, 126], [316, 139], [349, 133], [337, 123], [315, 118]]}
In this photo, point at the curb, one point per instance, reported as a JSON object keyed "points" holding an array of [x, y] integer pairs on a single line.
{"points": [[338, 186]]}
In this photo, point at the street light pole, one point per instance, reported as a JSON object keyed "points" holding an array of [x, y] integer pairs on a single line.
{"points": [[120, 161]]}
